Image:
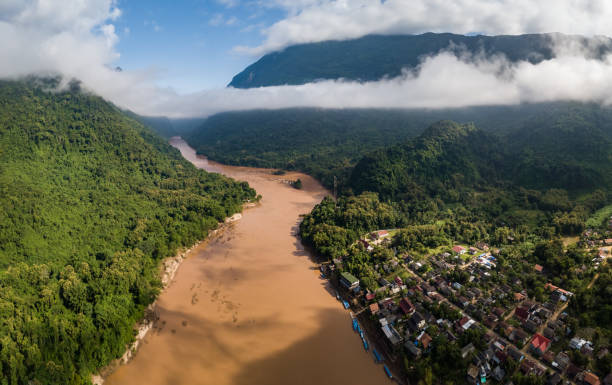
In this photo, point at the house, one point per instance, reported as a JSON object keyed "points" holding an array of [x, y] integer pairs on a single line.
{"points": [[577, 343], [473, 375], [589, 378], [548, 357], [515, 354], [572, 370], [374, 308], [463, 302], [561, 361], [518, 336], [412, 349], [518, 297], [459, 249], [426, 340], [380, 234], [538, 268], [349, 281], [398, 281], [498, 311], [549, 333], [391, 334], [498, 373], [539, 344], [473, 250], [500, 357], [466, 322], [530, 325], [370, 296], [418, 320], [457, 286], [555, 379], [406, 306], [521, 313], [467, 349]]}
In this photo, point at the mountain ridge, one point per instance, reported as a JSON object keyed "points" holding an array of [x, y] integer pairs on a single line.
{"points": [[374, 57]]}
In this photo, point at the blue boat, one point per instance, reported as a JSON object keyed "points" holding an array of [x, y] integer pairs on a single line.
{"points": [[388, 371], [346, 304], [361, 334], [376, 355], [365, 344], [355, 325]]}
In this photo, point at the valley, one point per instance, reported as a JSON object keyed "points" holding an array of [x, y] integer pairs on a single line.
{"points": [[249, 307]]}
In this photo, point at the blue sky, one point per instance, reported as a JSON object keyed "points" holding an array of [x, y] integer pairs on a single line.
{"points": [[189, 43]]}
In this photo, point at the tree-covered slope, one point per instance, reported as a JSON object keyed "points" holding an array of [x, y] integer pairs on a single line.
{"points": [[375, 56], [446, 155], [569, 149], [328, 142], [90, 201], [320, 142]]}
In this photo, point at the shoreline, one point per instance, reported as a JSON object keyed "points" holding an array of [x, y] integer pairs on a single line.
{"points": [[168, 269]]}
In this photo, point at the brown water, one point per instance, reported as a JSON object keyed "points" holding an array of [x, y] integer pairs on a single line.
{"points": [[249, 307]]}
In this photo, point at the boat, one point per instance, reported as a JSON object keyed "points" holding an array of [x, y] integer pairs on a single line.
{"points": [[376, 355], [365, 344], [322, 275], [387, 371], [337, 295], [355, 325], [361, 334], [345, 304]]}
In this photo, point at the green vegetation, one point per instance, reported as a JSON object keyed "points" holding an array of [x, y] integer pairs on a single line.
{"points": [[91, 201], [564, 145], [322, 143], [454, 183], [374, 57]]}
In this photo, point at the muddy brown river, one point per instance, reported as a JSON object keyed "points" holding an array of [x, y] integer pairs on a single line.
{"points": [[248, 307]]}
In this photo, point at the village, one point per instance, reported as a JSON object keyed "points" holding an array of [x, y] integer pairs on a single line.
{"points": [[454, 295]]}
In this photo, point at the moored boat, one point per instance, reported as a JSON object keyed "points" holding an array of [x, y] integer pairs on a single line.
{"points": [[387, 371]]}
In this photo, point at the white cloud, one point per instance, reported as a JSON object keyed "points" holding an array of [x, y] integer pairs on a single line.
{"points": [[318, 20], [441, 81], [216, 20], [79, 40]]}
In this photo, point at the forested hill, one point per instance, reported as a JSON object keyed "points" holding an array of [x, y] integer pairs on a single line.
{"points": [[320, 142], [445, 156], [550, 142], [90, 202], [376, 56], [570, 150]]}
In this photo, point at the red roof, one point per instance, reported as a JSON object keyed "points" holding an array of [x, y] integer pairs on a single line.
{"points": [[406, 306], [540, 342], [425, 340], [370, 296], [458, 249], [399, 281], [521, 313], [538, 268], [591, 379]]}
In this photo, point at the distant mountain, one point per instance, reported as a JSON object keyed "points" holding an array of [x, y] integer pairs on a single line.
{"points": [[90, 202], [376, 56]]}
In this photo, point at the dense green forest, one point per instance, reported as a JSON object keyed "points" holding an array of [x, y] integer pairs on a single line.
{"points": [[458, 179], [375, 56], [91, 201], [564, 142]]}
